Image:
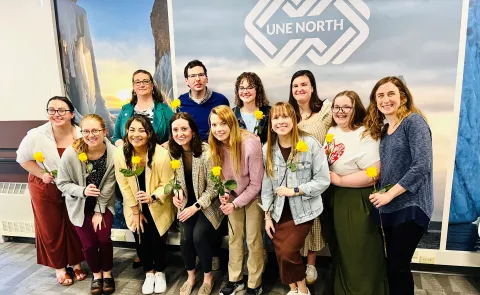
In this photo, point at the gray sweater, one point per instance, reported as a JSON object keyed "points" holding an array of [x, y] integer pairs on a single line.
{"points": [[406, 159], [71, 181]]}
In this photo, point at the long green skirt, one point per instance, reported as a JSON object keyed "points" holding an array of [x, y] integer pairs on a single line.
{"points": [[355, 243]]}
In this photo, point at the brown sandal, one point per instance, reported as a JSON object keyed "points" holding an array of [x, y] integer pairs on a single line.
{"points": [[80, 274], [61, 280]]}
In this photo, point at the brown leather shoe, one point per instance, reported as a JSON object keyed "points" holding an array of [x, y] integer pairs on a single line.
{"points": [[96, 287], [108, 286]]}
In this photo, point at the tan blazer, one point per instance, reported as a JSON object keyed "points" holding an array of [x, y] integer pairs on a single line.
{"points": [[156, 177], [203, 186]]}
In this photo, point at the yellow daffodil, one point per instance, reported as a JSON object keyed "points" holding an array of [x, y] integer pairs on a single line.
{"points": [[175, 104], [301, 146], [329, 138], [217, 170], [175, 164], [258, 115], [38, 156], [83, 157], [372, 172], [136, 160]]}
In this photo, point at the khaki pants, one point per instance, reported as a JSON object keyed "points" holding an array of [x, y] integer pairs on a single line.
{"points": [[247, 221]]}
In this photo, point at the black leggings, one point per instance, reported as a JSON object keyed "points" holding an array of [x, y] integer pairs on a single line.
{"points": [[152, 249], [196, 239], [401, 240]]}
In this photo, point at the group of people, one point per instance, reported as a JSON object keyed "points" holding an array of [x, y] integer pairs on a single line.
{"points": [[307, 173]]}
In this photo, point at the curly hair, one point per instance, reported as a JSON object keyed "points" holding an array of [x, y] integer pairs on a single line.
{"points": [[255, 81], [374, 121], [151, 141]]}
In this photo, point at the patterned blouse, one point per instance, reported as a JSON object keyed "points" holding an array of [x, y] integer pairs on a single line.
{"points": [[319, 126], [98, 171]]}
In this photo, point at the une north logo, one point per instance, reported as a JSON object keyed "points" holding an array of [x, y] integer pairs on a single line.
{"points": [[314, 48]]}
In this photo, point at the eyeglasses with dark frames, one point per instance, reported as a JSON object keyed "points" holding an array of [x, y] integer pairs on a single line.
{"points": [[344, 110], [93, 131], [144, 82], [61, 112]]}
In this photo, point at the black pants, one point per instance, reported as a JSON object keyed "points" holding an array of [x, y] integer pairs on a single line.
{"points": [[197, 236], [152, 249], [401, 240]]}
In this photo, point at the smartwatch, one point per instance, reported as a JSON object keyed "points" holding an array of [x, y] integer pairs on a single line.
{"points": [[154, 198], [197, 205], [296, 190]]}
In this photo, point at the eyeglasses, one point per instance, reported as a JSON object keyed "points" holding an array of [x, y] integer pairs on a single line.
{"points": [[61, 112], [344, 110], [246, 88], [199, 75], [144, 82], [93, 131]]}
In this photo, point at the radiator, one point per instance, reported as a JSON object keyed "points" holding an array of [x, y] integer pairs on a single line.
{"points": [[16, 216]]}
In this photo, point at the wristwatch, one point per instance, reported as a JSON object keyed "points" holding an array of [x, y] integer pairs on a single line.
{"points": [[154, 198], [197, 205], [296, 190]]}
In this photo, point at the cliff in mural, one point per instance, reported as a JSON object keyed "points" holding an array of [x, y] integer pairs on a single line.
{"points": [[161, 35], [465, 203], [78, 62]]}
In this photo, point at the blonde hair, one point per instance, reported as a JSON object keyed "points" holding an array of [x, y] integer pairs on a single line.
{"points": [[374, 120], [235, 139], [79, 145], [281, 108]]}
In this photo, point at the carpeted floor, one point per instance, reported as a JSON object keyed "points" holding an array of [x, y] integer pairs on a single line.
{"points": [[19, 274]]}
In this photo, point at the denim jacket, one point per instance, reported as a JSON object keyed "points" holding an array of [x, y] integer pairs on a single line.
{"points": [[312, 177]]}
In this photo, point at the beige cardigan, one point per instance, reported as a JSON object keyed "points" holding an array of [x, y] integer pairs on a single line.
{"points": [[156, 177], [203, 186]]}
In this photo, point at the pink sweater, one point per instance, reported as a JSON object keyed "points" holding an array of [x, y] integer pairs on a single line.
{"points": [[249, 182]]}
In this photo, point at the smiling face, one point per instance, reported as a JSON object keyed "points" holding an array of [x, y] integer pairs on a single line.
{"points": [[219, 128], [388, 99], [197, 79], [137, 135], [61, 113], [142, 84], [247, 92], [92, 132], [282, 123], [182, 133], [342, 111], [302, 89]]}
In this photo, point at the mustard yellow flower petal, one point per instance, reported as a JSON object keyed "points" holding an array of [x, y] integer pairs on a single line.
{"points": [[38, 156], [301, 146], [372, 172], [83, 157], [329, 138], [258, 115], [136, 160], [175, 164], [217, 170]]}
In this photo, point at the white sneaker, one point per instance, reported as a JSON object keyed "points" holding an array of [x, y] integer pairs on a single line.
{"points": [[148, 284], [215, 263], [160, 282], [312, 274], [300, 293]]}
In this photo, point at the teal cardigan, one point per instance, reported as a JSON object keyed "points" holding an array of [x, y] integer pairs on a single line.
{"points": [[161, 120]]}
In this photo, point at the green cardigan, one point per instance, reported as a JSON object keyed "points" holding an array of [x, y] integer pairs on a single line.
{"points": [[161, 119]]}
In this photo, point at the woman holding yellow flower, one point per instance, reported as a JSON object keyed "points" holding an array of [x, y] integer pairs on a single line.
{"points": [[239, 154], [353, 238], [251, 105], [87, 179], [57, 242], [198, 203], [148, 211], [296, 174]]}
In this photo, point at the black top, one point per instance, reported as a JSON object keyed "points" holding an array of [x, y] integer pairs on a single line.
{"points": [[286, 213], [95, 177], [187, 158]]}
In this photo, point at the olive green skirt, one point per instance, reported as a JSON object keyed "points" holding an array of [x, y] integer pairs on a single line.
{"points": [[355, 243]]}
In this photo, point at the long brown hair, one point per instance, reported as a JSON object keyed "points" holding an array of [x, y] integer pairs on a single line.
{"points": [[79, 145], [358, 109], [195, 144], [281, 108], [151, 140], [374, 120], [235, 139], [255, 81]]}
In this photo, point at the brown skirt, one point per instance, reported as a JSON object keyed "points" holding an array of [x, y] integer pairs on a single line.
{"points": [[288, 240], [56, 240]]}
